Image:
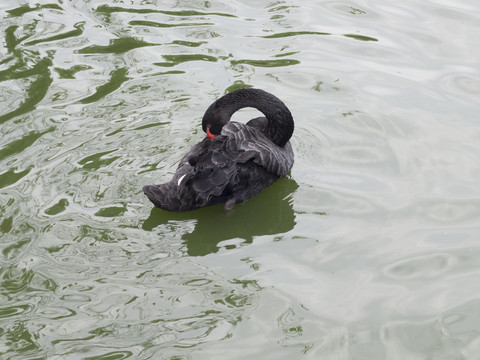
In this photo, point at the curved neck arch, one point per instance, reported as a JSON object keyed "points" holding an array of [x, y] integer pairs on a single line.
{"points": [[279, 119]]}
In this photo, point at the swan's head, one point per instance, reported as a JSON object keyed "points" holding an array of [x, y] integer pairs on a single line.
{"points": [[214, 119], [279, 124]]}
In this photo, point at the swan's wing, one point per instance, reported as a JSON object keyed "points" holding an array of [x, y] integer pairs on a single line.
{"points": [[207, 174], [256, 146]]}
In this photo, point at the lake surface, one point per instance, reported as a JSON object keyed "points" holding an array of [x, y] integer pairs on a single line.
{"points": [[370, 249]]}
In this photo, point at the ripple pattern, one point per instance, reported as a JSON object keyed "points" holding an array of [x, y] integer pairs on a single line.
{"points": [[367, 250]]}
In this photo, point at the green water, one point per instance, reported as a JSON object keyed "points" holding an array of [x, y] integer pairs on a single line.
{"points": [[370, 249]]}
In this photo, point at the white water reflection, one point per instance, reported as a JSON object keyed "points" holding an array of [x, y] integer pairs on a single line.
{"points": [[367, 251]]}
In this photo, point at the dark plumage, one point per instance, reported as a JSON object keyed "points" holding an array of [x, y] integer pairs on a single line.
{"points": [[238, 163]]}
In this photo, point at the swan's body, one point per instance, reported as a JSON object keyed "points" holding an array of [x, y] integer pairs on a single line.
{"points": [[237, 162]]}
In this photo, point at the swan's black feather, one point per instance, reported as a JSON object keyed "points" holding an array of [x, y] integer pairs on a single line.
{"points": [[231, 168]]}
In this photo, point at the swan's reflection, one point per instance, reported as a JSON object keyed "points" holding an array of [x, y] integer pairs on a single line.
{"points": [[270, 212]]}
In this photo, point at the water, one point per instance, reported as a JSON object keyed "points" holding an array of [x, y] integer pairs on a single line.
{"points": [[368, 250]]}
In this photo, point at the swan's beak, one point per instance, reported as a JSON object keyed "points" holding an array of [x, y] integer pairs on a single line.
{"points": [[209, 134]]}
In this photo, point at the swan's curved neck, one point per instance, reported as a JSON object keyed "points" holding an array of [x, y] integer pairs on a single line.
{"points": [[280, 122]]}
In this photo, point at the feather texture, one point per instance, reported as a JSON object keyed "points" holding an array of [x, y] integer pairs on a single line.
{"points": [[238, 163]]}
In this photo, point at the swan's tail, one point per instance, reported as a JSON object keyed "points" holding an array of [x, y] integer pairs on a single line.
{"points": [[163, 196]]}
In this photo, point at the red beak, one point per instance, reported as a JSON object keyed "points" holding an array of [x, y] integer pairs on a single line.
{"points": [[209, 134]]}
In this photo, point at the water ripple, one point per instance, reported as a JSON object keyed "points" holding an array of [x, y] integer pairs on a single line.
{"points": [[183, 13], [369, 248], [79, 27], [22, 10], [35, 92], [11, 311], [116, 46]]}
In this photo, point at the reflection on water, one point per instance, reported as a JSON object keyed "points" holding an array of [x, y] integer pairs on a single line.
{"points": [[214, 224], [98, 99]]}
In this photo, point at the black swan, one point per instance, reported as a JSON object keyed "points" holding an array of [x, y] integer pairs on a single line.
{"points": [[235, 161]]}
